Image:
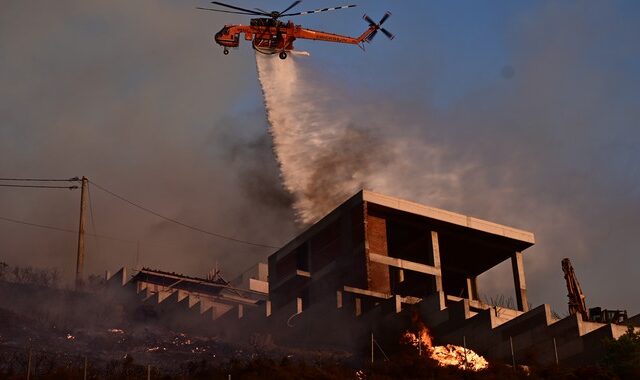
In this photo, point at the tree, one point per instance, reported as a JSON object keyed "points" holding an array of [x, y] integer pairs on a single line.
{"points": [[622, 356]]}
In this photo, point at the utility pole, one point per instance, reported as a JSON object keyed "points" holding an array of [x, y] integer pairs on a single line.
{"points": [[80, 258]]}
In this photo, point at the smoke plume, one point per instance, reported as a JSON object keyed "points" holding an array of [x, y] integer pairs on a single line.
{"points": [[538, 130], [329, 146], [134, 97], [546, 147]]}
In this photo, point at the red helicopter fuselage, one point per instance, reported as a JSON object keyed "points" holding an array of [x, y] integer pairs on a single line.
{"points": [[272, 36]]}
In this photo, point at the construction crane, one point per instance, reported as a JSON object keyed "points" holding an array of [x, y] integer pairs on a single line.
{"points": [[577, 302]]}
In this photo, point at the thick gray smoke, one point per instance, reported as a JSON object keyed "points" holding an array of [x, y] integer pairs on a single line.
{"points": [[548, 147], [329, 146], [133, 96]]}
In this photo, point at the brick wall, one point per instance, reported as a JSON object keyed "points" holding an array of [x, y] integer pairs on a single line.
{"points": [[377, 243]]}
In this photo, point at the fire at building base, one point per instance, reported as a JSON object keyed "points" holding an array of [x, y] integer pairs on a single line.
{"points": [[448, 355]]}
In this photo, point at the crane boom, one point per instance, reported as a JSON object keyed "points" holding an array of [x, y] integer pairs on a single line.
{"points": [[577, 302]]}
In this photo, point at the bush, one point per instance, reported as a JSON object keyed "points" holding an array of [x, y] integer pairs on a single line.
{"points": [[622, 356]]}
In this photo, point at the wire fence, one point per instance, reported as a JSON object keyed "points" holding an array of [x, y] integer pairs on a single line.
{"points": [[32, 363]]}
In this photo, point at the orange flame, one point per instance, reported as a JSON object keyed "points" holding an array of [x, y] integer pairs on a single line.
{"points": [[449, 355]]}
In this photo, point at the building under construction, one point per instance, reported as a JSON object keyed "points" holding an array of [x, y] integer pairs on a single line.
{"points": [[374, 265]]}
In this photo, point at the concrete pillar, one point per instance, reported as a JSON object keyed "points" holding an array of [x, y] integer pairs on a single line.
{"points": [[436, 259], [472, 288], [400, 275], [519, 281], [398, 303], [435, 245], [240, 311], [299, 305], [358, 304]]}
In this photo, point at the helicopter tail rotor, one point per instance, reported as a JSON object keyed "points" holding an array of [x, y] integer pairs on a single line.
{"points": [[378, 27]]}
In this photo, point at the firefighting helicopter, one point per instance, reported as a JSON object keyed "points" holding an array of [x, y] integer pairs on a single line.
{"points": [[272, 36]]}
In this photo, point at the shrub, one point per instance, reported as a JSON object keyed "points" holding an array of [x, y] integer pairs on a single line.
{"points": [[622, 356]]}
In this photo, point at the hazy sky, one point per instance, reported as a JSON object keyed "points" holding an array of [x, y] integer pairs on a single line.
{"points": [[532, 105]]}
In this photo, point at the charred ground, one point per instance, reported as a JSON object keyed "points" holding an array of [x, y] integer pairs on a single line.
{"points": [[60, 329]]}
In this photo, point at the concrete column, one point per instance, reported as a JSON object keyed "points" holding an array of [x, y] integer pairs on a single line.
{"points": [[436, 259], [240, 311], [519, 281], [472, 288], [400, 275], [358, 304], [435, 244], [299, 305]]}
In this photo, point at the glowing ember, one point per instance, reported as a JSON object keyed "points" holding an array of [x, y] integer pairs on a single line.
{"points": [[115, 331], [449, 355], [70, 337]]}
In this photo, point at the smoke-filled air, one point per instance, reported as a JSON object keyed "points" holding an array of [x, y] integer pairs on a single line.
{"points": [[187, 249], [525, 115], [542, 147], [329, 147]]}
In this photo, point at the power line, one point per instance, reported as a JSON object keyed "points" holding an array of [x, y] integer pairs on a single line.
{"points": [[73, 179], [42, 186], [75, 232], [36, 225], [93, 223], [181, 223], [62, 229]]}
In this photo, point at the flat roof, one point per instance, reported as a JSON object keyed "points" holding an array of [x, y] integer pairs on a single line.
{"points": [[448, 217], [472, 244]]}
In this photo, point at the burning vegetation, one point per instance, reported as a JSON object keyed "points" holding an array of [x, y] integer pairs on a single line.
{"points": [[449, 355]]}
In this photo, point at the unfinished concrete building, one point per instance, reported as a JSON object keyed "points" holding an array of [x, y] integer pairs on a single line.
{"points": [[376, 257], [374, 246], [376, 263]]}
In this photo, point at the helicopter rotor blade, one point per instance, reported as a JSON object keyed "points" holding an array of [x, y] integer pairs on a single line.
{"points": [[239, 9], [261, 10], [387, 33], [319, 10], [384, 18], [376, 27], [369, 20], [291, 6], [223, 11]]}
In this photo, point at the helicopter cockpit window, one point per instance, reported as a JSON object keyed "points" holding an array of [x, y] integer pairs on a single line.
{"points": [[222, 32]]}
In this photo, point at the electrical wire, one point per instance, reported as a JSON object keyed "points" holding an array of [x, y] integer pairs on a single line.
{"points": [[73, 179], [37, 225], [217, 235], [93, 223], [62, 229], [229, 238], [75, 232], [42, 186]]}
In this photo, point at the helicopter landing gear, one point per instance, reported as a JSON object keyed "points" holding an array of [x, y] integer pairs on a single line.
{"points": [[225, 51], [283, 55]]}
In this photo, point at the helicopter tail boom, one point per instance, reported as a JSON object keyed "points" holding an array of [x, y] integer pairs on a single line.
{"points": [[367, 36]]}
